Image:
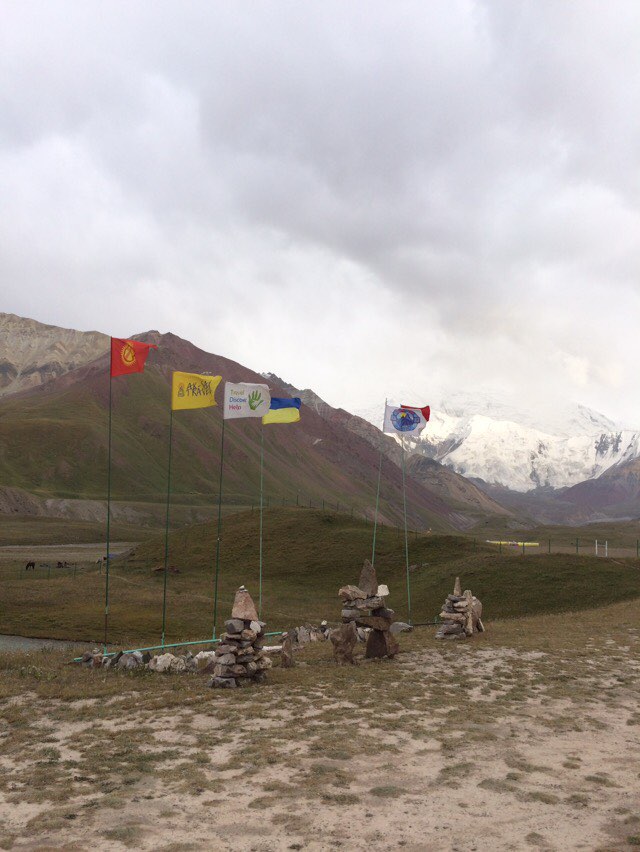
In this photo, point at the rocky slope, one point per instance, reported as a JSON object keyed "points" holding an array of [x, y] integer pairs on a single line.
{"points": [[32, 353]]}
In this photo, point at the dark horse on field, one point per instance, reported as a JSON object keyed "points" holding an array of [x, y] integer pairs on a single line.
{"points": [[31, 565]]}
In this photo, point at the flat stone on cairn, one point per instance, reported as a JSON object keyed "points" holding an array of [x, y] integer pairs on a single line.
{"points": [[461, 615], [239, 656], [367, 595]]}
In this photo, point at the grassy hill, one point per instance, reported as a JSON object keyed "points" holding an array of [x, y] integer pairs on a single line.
{"points": [[308, 555], [53, 442]]}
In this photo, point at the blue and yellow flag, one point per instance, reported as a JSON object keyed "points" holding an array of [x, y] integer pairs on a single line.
{"points": [[191, 390], [283, 410]]}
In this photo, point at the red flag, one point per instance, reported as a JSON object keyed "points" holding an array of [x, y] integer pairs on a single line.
{"points": [[128, 356], [426, 411]]}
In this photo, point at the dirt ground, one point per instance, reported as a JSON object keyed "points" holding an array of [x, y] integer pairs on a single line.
{"points": [[525, 737]]}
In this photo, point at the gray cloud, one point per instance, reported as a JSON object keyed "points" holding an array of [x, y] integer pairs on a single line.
{"points": [[355, 196]]}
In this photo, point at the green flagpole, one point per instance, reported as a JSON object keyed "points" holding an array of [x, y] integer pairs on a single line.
{"points": [[166, 535], [406, 537], [215, 596], [261, 512], [106, 583]]}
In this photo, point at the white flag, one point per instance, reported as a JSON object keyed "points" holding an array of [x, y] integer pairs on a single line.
{"points": [[244, 400], [404, 421]]}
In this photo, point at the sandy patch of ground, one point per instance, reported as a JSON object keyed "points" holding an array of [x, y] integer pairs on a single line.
{"points": [[525, 738]]}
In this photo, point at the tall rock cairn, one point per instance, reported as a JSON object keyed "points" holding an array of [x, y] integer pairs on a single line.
{"points": [[461, 615], [240, 660], [356, 601]]}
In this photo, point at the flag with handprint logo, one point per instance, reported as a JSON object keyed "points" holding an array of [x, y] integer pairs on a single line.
{"points": [[242, 399]]}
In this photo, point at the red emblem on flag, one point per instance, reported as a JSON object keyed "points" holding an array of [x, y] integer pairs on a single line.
{"points": [[128, 356]]}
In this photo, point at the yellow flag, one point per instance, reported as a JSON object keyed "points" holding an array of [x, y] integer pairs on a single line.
{"points": [[190, 390]]}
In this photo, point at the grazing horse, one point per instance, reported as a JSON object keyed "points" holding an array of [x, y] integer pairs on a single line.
{"points": [[31, 565]]}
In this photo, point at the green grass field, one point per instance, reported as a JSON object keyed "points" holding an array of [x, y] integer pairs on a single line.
{"points": [[307, 556]]}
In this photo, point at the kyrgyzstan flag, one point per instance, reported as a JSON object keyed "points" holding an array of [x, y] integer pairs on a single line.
{"points": [[128, 356]]}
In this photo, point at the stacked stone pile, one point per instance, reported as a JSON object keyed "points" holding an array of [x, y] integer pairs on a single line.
{"points": [[461, 615], [364, 607], [240, 658]]}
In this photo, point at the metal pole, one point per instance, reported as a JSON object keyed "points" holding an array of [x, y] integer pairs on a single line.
{"points": [[215, 593], [166, 536], [106, 582], [261, 486], [406, 539]]}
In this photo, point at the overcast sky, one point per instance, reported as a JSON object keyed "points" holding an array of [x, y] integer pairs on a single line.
{"points": [[357, 196]]}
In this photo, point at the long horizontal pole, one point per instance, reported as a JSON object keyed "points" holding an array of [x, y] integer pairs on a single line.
{"points": [[174, 645]]}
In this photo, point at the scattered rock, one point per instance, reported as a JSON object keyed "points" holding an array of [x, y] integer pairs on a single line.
{"points": [[344, 639], [400, 627], [286, 658]]}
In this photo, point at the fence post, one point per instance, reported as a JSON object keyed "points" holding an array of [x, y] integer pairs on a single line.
{"points": [[577, 546], [323, 505], [523, 548], [549, 545], [499, 547], [297, 499]]}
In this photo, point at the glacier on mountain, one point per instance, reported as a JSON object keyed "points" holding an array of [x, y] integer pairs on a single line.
{"points": [[506, 443]]}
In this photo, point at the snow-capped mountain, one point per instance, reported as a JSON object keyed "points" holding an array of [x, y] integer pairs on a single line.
{"points": [[496, 440]]}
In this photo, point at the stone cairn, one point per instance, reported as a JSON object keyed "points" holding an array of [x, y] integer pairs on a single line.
{"points": [[239, 658], [461, 615], [356, 601]]}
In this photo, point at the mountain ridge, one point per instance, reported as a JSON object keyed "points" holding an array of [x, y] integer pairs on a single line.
{"points": [[54, 437]]}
